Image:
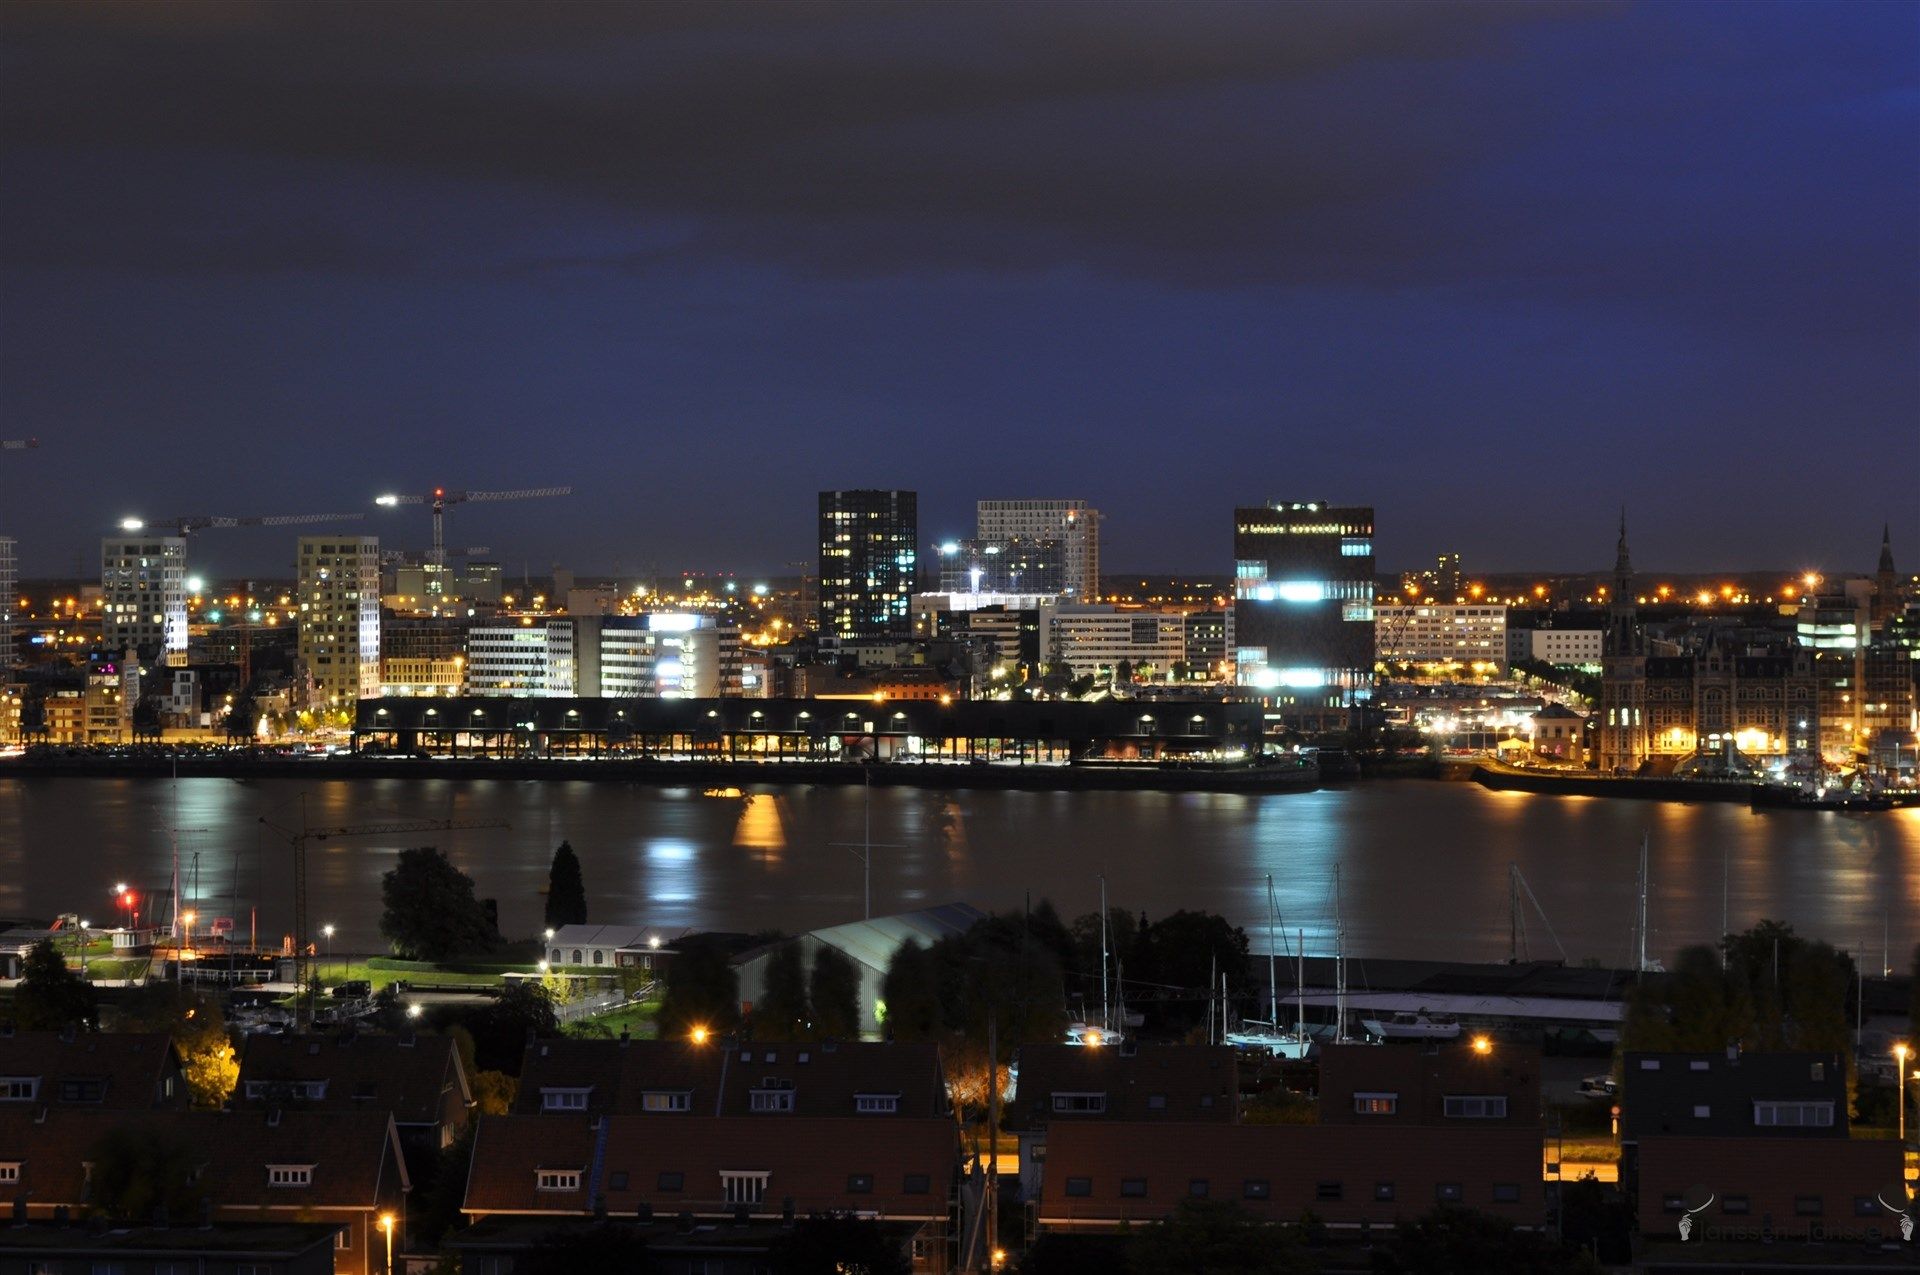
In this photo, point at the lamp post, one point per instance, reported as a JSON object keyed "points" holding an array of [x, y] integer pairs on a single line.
{"points": [[1901, 1052], [326, 951], [386, 1224]]}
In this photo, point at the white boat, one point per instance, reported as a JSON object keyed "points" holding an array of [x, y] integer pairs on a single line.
{"points": [[1413, 1025], [1268, 1036]]}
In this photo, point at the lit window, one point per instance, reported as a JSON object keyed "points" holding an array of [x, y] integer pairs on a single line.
{"points": [[667, 1100], [1376, 1104], [557, 1179]]}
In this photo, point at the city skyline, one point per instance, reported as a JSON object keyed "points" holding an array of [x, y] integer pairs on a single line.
{"points": [[1478, 267]]}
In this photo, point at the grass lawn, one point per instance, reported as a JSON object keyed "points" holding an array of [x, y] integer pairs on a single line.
{"points": [[1586, 1150], [118, 967], [637, 1021], [381, 971]]}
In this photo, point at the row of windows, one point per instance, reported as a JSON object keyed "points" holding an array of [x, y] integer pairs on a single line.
{"points": [[1326, 1189], [1803, 1205]]}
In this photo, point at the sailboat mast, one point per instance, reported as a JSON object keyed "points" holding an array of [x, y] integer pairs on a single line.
{"points": [[1339, 965], [1104, 1023], [1641, 926], [1273, 981], [1300, 989]]}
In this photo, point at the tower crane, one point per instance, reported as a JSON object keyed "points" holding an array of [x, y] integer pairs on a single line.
{"points": [[440, 499], [297, 838], [18, 444], [186, 526]]}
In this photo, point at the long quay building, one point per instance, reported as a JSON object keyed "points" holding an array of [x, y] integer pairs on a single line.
{"points": [[1056, 733]]}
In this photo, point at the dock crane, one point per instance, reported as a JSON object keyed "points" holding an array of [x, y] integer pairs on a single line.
{"points": [[440, 499], [297, 838]]}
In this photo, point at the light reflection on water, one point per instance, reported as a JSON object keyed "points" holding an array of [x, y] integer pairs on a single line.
{"points": [[1423, 866]]}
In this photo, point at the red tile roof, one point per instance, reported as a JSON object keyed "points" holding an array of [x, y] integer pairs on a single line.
{"points": [[355, 1155], [1141, 1171], [418, 1078], [718, 1079], [1150, 1082], [1422, 1077], [131, 1068], [813, 1163]]}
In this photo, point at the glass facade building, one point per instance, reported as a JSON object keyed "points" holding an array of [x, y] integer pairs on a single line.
{"points": [[869, 562], [1303, 602]]}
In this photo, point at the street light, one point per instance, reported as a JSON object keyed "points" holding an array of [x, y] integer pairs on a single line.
{"points": [[700, 1035], [326, 951], [386, 1224], [1901, 1052], [1482, 1045]]}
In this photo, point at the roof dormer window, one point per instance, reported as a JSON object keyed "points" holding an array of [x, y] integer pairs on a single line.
{"points": [[19, 1088], [876, 1104], [564, 1099], [1080, 1104], [289, 1175]]}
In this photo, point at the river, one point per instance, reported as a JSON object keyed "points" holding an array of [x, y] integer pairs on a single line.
{"points": [[1423, 866]]}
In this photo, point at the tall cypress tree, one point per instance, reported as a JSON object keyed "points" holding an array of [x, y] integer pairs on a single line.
{"points": [[566, 891]]}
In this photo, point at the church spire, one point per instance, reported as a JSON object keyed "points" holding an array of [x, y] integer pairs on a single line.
{"points": [[1622, 564], [1886, 549]]}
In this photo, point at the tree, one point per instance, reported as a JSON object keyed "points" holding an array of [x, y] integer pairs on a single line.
{"points": [[199, 1032], [431, 914], [911, 993], [139, 1169], [566, 891], [1214, 1235], [701, 991], [146, 718], [51, 996], [836, 1243], [834, 993], [501, 1028], [781, 1012]]}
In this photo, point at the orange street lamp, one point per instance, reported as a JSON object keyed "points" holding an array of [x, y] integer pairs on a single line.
{"points": [[700, 1035], [1901, 1053], [386, 1224], [1482, 1045]]}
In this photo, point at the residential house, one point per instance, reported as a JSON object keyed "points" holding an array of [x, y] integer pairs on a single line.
{"points": [[1058, 1084], [608, 946], [898, 1170], [342, 1168], [1742, 1145], [419, 1079], [733, 1078], [1402, 1129], [282, 1248], [110, 1071]]}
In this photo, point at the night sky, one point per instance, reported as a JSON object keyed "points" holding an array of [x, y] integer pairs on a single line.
{"points": [[1494, 269]]}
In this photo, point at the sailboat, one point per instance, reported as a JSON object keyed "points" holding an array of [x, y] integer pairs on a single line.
{"points": [[1268, 1036], [1105, 1033]]}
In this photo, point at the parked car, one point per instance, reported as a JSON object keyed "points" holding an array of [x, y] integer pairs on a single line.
{"points": [[1598, 1087], [353, 989]]}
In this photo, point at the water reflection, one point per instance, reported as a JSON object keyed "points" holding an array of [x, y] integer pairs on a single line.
{"points": [[1423, 865]]}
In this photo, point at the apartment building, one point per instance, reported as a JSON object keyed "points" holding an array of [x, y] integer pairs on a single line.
{"points": [[143, 594], [338, 598]]}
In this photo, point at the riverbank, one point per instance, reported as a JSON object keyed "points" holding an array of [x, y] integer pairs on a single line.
{"points": [[702, 773], [1502, 778]]}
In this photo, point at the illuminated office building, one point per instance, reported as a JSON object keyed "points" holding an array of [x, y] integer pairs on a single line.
{"points": [[869, 560], [143, 594], [1069, 523], [1303, 602]]}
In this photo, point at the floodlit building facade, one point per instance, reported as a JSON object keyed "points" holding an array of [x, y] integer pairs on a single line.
{"points": [[1441, 633], [1303, 602], [339, 610], [869, 562], [143, 594], [1096, 640], [1070, 523]]}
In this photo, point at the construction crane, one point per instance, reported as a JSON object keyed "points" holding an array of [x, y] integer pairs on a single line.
{"points": [[440, 498], [297, 839], [18, 444], [199, 522]]}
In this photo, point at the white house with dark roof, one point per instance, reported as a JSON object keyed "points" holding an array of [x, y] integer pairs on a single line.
{"points": [[606, 946]]}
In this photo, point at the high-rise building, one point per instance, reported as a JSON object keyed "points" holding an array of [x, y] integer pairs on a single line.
{"points": [[1003, 566], [339, 599], [143, 594], [1070, 522], [1303, 602], [869, 561], [9, 602]]}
